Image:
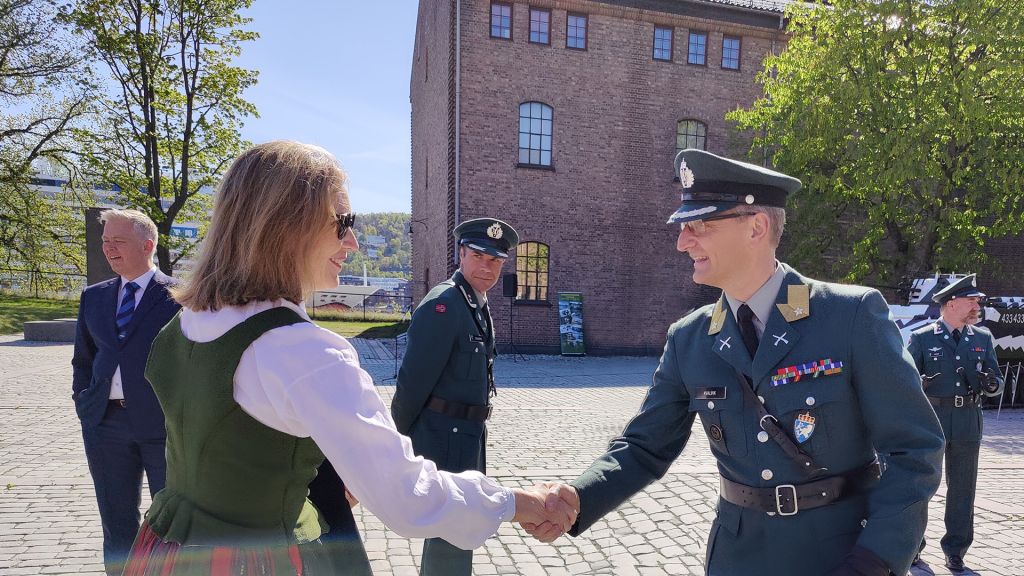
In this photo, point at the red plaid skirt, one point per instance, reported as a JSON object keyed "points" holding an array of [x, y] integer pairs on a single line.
{"points": [[151, 556]]}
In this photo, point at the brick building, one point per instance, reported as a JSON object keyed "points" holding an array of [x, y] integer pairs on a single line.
{"points": [[563, 117]]}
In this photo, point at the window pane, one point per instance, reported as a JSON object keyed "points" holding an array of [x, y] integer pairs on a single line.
{"points": [[535, 142], [535, 126], [545, 142], [545, 112], [545, 158], [524, 140], [524, 156], [535, 109], [534, 156]]}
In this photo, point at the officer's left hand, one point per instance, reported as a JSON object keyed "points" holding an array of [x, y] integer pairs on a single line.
{"points": [[989, 383]]}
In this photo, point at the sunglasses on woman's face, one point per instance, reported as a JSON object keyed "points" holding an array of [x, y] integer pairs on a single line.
{"points": [[344, 222]]}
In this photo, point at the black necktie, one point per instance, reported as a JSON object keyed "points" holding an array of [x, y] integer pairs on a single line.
{"points": [[956, 336], [745, 316]]}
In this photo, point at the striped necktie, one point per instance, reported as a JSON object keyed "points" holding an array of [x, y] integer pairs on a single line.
{"points": [[126, 309]]}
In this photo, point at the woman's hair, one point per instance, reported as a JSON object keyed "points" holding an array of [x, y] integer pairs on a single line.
{"points": [[270, 209]]}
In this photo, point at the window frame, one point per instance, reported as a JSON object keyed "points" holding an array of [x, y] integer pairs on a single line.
{"points": [[530, 36], [699, 124], [586, 30], [739, 52], [511, 21], [522, 284], [671, 43], [704, 56], [519, 149]]}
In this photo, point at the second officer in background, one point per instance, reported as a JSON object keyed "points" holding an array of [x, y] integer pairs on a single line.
{"points": [[442, 398], [957, 361]]}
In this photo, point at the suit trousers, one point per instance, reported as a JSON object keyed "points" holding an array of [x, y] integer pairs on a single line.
{"points": [[116, 463], [442, 559], [961, 484]]}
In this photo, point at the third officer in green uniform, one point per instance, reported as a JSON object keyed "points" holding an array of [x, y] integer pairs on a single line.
{"points": [[442, 399], [957, 361]]}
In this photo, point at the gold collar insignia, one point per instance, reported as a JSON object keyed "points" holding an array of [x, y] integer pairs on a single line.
{"points": [[798, 303], [718, 317]]}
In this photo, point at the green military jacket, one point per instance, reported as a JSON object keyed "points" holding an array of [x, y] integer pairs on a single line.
{"points": [[951, 369], [449, 355], [855, 383]]}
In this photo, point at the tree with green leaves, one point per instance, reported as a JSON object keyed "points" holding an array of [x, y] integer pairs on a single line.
{"points": [[43, 91], [170, 123], [905, 120]]}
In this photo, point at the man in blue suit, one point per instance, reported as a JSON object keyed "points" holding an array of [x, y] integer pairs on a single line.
{"points": [[122, 424], [827, 449]]}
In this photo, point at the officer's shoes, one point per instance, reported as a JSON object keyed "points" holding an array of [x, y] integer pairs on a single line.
{"points": [[955, 563], [920, 567]]}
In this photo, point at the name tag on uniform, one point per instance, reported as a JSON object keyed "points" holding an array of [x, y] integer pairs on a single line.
{"points": [[475, 338], [711, 393]]}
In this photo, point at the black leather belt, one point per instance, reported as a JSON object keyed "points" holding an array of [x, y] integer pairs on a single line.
{"points": [[788, 499], [119, 403], [955, 401], [459, 410]]}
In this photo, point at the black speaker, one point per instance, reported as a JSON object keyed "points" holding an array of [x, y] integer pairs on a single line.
{"points": [[509, 283]]}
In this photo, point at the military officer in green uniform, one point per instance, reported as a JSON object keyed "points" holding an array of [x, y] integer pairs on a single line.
{"points": [[803, 388], [957, 362], [442, 399]]}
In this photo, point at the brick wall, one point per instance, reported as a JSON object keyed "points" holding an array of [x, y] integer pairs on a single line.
{"points": [[432, 93], [602, 209]]}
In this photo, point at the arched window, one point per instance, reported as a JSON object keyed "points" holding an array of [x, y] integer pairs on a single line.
{"points": [[691, 134], [535, 120], [532, 271]]}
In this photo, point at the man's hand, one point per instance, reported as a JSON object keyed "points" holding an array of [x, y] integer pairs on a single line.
{"points": [[989, 382], [560, 501], [352, 501]]}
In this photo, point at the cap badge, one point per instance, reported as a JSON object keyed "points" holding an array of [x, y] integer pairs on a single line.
{"points": [[749, 199], [494, 231], [685, 174]]}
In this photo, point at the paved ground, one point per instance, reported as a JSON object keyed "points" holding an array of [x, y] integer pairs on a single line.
{"points": [[553, 416]]}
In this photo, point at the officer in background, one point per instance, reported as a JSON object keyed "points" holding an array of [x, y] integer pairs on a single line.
{"points": [[957, 362], [804, 390], [442, 398]]}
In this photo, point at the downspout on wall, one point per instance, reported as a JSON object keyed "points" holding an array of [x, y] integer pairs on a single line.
{"points": [[458, 118]]}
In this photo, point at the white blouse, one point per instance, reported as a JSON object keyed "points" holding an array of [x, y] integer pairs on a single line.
{"points": [[305, 381]]}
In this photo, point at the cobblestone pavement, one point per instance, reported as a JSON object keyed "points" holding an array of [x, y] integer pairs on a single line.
{"points": [[553, 416]]}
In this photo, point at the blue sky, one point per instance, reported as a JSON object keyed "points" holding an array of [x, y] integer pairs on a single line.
{"points": [[336, 74]]}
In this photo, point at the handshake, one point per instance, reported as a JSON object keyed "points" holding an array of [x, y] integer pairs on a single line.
{"points": [[547, 510]]}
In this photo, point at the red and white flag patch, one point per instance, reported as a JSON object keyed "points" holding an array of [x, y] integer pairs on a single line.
{"points": [[440, 308]]}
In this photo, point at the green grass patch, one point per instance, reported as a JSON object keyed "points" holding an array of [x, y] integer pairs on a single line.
{"points": [[359, 329], [16, 310]]}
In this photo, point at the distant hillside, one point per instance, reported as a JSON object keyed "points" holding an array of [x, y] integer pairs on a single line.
{"points": [[384, 245]]}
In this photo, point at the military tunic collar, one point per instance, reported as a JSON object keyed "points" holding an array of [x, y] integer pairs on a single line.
{"points": [[941, 324], [471, 296], [794, 304], [762, 301]]}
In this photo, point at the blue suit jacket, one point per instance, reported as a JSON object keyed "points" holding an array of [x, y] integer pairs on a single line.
{"points": [[98, 353]]}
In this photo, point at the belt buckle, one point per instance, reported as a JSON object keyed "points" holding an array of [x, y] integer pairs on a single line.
{"points": [[958, 401], [778, 500]]}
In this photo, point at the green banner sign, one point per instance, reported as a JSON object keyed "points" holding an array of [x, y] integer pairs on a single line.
{"points": [[570, 323]]}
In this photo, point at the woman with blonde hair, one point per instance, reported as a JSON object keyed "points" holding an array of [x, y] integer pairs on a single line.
{"points": [[255, 395]]}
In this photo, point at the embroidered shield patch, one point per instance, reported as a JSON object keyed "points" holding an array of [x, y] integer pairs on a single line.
{"points": [[440, 308], [803, 427]]}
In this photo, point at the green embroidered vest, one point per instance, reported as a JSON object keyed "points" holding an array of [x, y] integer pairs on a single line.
{"points": [[231, 480]]}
